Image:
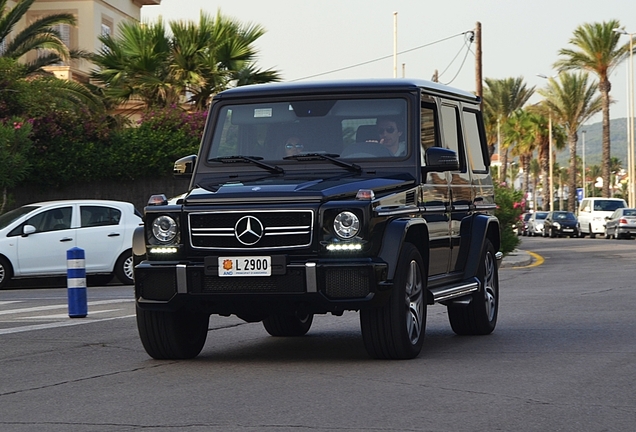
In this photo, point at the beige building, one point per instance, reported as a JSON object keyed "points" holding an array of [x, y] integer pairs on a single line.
{"points": [[94, 18]]}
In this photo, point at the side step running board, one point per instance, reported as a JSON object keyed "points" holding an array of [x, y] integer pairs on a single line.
{"points": [[454, 291]]}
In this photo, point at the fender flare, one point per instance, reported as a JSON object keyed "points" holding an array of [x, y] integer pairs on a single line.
{"points": [[483, 227], [396, 233]]}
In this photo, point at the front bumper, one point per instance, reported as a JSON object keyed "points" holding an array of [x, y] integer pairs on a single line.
{"points": [[321, 286]]}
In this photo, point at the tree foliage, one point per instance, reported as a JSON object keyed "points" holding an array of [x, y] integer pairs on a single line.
{"points": [[596, 50], [193, 61]]}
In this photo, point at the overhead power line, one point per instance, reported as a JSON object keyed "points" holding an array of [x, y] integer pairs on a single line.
{"points": [[471, 32]]}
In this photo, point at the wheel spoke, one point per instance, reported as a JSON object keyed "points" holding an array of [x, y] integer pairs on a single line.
{"points": [[414, 302], [489, 289]]}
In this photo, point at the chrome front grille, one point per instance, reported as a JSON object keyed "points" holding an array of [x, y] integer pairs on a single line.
{"points": [[251, 230]]}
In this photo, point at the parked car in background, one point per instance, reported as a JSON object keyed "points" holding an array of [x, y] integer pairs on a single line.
{"points": [[559, 224], [522, 224], [593, 211], [34, 239], [535, 223], [621, 224]]}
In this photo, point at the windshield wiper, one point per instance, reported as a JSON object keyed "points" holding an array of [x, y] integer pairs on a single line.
{"points": [[325, 156], [256, 160]]}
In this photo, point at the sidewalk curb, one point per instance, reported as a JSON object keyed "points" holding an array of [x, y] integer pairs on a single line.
{"points": [[517, 258]]}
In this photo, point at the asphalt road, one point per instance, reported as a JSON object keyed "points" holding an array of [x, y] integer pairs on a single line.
{"points": [[563, 358]]}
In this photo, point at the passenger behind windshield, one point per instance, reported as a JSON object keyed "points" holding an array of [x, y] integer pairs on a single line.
{"points": [[293, 146], [390, 136]]}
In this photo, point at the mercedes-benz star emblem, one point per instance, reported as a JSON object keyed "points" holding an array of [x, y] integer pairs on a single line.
{"points": [[248, 230]]}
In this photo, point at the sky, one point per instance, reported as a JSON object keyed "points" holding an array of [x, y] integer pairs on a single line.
{"points": [[334, 39]]}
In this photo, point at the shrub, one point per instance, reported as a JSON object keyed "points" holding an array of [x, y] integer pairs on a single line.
{"points": [[509, 208]]}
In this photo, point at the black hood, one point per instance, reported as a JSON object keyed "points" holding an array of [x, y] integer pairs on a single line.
{"points": [[294, 189]]}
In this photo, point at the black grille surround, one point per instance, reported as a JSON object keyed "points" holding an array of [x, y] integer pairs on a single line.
{"points": [[250, 230]]}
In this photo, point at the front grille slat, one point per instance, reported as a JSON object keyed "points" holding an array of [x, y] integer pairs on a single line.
{"points": [[280, 229]]}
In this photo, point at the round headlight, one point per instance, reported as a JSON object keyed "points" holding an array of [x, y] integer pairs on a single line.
{"points": [[164, 228], [346, 225]]}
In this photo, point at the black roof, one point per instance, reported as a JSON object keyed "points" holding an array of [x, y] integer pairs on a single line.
{"points": [[342, 86]]}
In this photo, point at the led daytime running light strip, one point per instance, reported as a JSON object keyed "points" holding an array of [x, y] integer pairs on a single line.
{"points": [[164, 250], [344, 247]]}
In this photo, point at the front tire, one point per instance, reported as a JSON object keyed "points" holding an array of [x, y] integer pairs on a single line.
{"points": [[480, 316], [170, 335], [396, 330], [288, 325]]}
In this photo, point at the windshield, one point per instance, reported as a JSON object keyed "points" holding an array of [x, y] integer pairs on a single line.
{"points": [[564, 216], [7, 218], [540, 215], [340, 128]]}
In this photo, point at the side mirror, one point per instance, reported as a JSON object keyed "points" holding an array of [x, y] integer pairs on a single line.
{"points": [[439, 159], [28, 229], [184, 167]]}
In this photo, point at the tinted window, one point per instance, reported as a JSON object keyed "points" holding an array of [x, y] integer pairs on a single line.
{"points": [[7, 218], [629, 213], [607, 205], [51, 220], [352, 128], [475, 150], [99, 216], [451, 132]]}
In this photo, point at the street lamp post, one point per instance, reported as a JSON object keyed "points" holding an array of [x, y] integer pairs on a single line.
{"points": [[550, 158], [583, 178], [631, 191]]}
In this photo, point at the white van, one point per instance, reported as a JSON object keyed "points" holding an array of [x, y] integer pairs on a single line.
{"points": [[592, 214]]}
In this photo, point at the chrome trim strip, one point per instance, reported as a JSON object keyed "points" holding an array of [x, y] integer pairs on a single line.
{"points": [[461, 207], [396, 211], [486, 206], [182, 279], [435, 209], [454, 291], [310, 277]]}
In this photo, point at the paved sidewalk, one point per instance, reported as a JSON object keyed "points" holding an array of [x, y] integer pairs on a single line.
{"points": [[517, 258]]}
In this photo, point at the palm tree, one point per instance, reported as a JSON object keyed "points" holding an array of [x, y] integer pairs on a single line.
{"points": [[519, 131], [597, 51], [595, 173], [539, 116], [196, 61], [39, 35], [616, 165], [572, 102], [502, 97], [135, 65], [535, 173]]}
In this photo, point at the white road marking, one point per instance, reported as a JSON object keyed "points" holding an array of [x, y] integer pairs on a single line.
{"points": [[9, 302], [58, 316], [62, 306], [71, 322]]}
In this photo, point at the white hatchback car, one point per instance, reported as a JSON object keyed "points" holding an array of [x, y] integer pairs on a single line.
{"points": [[34, 239]]}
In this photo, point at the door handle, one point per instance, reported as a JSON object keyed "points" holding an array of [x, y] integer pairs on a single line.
{"points": [[66, 239], [113, 234]]}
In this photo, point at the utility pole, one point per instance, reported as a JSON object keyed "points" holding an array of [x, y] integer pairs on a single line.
{"points": [[479, 91]]}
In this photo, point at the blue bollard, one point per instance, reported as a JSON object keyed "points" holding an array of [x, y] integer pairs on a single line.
{"points": [[76, 283]]}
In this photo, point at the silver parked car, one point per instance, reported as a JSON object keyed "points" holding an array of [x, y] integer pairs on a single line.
{"points": [[535, 223], [621, 224], [34, 239]]}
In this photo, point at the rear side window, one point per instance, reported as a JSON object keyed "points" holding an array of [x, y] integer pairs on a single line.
{"points": [[450, 125], [99, 216], [474, 148]]}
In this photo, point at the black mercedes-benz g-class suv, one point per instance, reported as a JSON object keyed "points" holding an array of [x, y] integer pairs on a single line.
{"points": [[313, 198]]}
